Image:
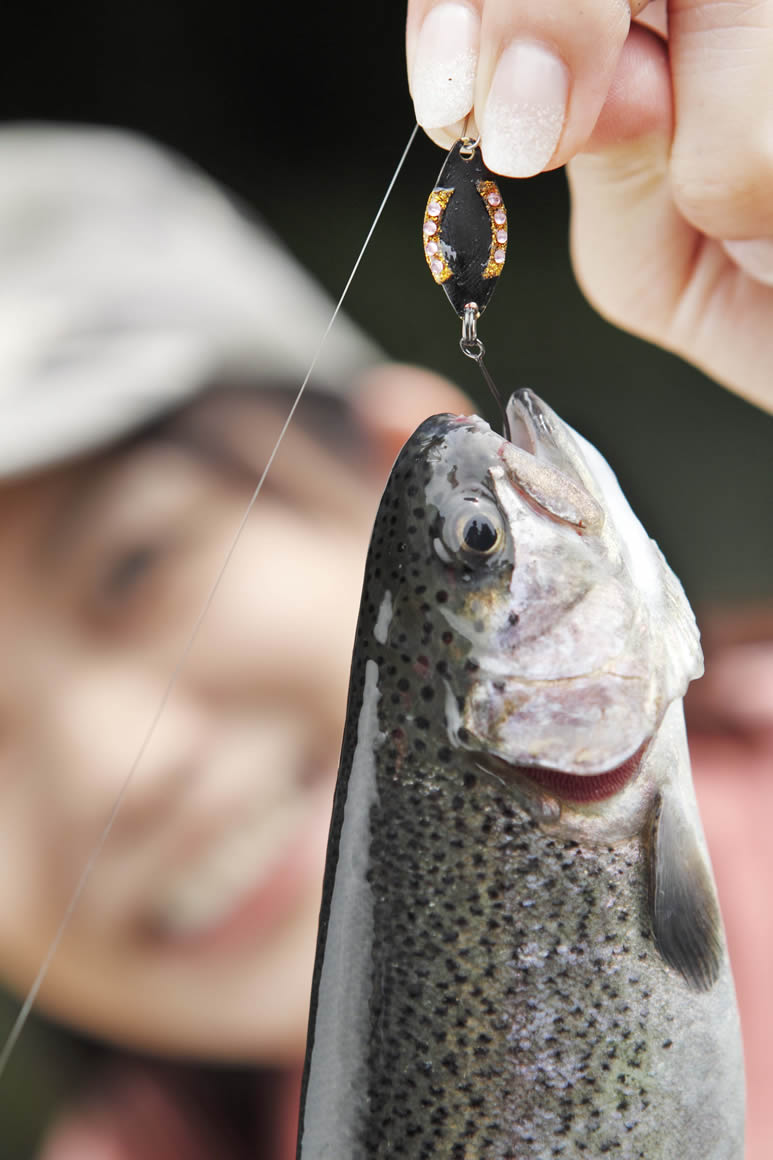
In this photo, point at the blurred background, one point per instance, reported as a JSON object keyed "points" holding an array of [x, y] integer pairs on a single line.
{"points": [[303, 113]]}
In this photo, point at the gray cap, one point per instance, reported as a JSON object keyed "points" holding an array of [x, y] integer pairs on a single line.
{"points": [[129, 281]]}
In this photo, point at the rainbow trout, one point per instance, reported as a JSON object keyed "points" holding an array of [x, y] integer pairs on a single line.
{"points": [[520, 954]]}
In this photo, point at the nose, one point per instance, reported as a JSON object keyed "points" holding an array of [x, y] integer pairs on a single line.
{"points": [[279, 630]]}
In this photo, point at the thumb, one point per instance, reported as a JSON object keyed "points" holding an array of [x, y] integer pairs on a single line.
{"points": [[630, 246]]}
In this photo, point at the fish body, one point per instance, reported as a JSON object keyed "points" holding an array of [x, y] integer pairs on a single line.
{"points": [[520, 954]]}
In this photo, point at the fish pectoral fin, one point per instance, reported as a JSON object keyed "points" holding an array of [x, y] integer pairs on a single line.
{"points": [[686, 922]]}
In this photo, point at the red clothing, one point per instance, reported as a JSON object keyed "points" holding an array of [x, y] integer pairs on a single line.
{"points": [[152, 1113]]}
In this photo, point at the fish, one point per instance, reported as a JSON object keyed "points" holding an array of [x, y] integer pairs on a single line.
{"points": [[521, 953]]}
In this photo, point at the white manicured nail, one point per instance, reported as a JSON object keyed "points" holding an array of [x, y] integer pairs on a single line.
{"points": [[755, 257], [525, 110], [445, 64]]}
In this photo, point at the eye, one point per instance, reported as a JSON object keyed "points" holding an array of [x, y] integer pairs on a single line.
{"points": [[480, 535], [128, 570], [125, 577], [474, 528]]}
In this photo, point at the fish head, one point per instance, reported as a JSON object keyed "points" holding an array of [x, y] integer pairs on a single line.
{"points": [[558, 631]]}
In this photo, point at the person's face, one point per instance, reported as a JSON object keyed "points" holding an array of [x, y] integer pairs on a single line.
{"points": [[196, 931]]}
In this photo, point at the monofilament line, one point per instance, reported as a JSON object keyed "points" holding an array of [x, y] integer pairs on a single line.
{"points": [[32, 994]]}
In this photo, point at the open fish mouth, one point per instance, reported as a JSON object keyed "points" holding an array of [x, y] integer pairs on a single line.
{"points": [[583, 788]]}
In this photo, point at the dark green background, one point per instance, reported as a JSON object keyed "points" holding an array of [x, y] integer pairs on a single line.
{"points": [[303, 111], [304, 114]]}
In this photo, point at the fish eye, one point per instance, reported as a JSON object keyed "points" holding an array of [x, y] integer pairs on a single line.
{"points": [[475, 528], [479, 535]]}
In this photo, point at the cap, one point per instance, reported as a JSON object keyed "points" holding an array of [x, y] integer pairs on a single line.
{"points": [[128, 282]]}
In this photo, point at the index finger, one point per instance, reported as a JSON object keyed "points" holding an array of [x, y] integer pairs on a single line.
{"points": [[535, 73]]}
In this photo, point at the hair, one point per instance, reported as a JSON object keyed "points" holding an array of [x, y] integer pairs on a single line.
{"points": [[231, 1099], [323, 414]]}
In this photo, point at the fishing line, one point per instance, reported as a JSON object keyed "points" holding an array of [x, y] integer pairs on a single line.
{"points": [[21, 1018], [473, 348]]}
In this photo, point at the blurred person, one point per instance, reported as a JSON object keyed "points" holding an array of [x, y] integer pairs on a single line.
{"points": [[148, 337]]}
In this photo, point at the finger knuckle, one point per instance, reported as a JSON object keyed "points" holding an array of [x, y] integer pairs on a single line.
{"points": [[727, 188]]}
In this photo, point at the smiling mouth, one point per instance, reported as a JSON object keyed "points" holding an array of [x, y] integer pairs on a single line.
{"points": [[243, 885], [584, 788]]}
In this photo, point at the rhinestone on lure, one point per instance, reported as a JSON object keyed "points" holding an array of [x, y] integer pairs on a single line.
{"points": [[465, 229]]}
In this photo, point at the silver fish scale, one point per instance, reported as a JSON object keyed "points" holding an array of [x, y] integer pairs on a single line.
{"points": [[500, 995], [513, 1015]]}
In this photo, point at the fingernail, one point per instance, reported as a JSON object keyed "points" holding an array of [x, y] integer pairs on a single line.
{"points": [[525, 110], [755, 257], [445, 64]]}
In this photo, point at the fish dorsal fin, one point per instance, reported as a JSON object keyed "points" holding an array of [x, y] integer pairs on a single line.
{"points": [[684, 910]]}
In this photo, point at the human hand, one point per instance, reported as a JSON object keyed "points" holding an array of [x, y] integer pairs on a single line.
{"points": [[672, 215], [534, 74], [669, 146]]}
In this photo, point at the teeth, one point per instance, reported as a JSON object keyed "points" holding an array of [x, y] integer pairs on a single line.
{"points": [[204, 896]]}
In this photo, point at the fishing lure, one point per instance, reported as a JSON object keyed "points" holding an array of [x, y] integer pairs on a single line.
{"points": [[465, 244], [520, 953]]}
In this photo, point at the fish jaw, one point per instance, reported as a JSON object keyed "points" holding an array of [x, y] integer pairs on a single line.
{"points": [[536, 428], [584, 725]]}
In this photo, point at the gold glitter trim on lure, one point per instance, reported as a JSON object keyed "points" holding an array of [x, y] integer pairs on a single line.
{"points": [[431, 232], [492, 199]]}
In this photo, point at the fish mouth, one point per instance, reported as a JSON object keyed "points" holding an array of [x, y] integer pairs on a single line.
{"points": [[583, 788]]}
